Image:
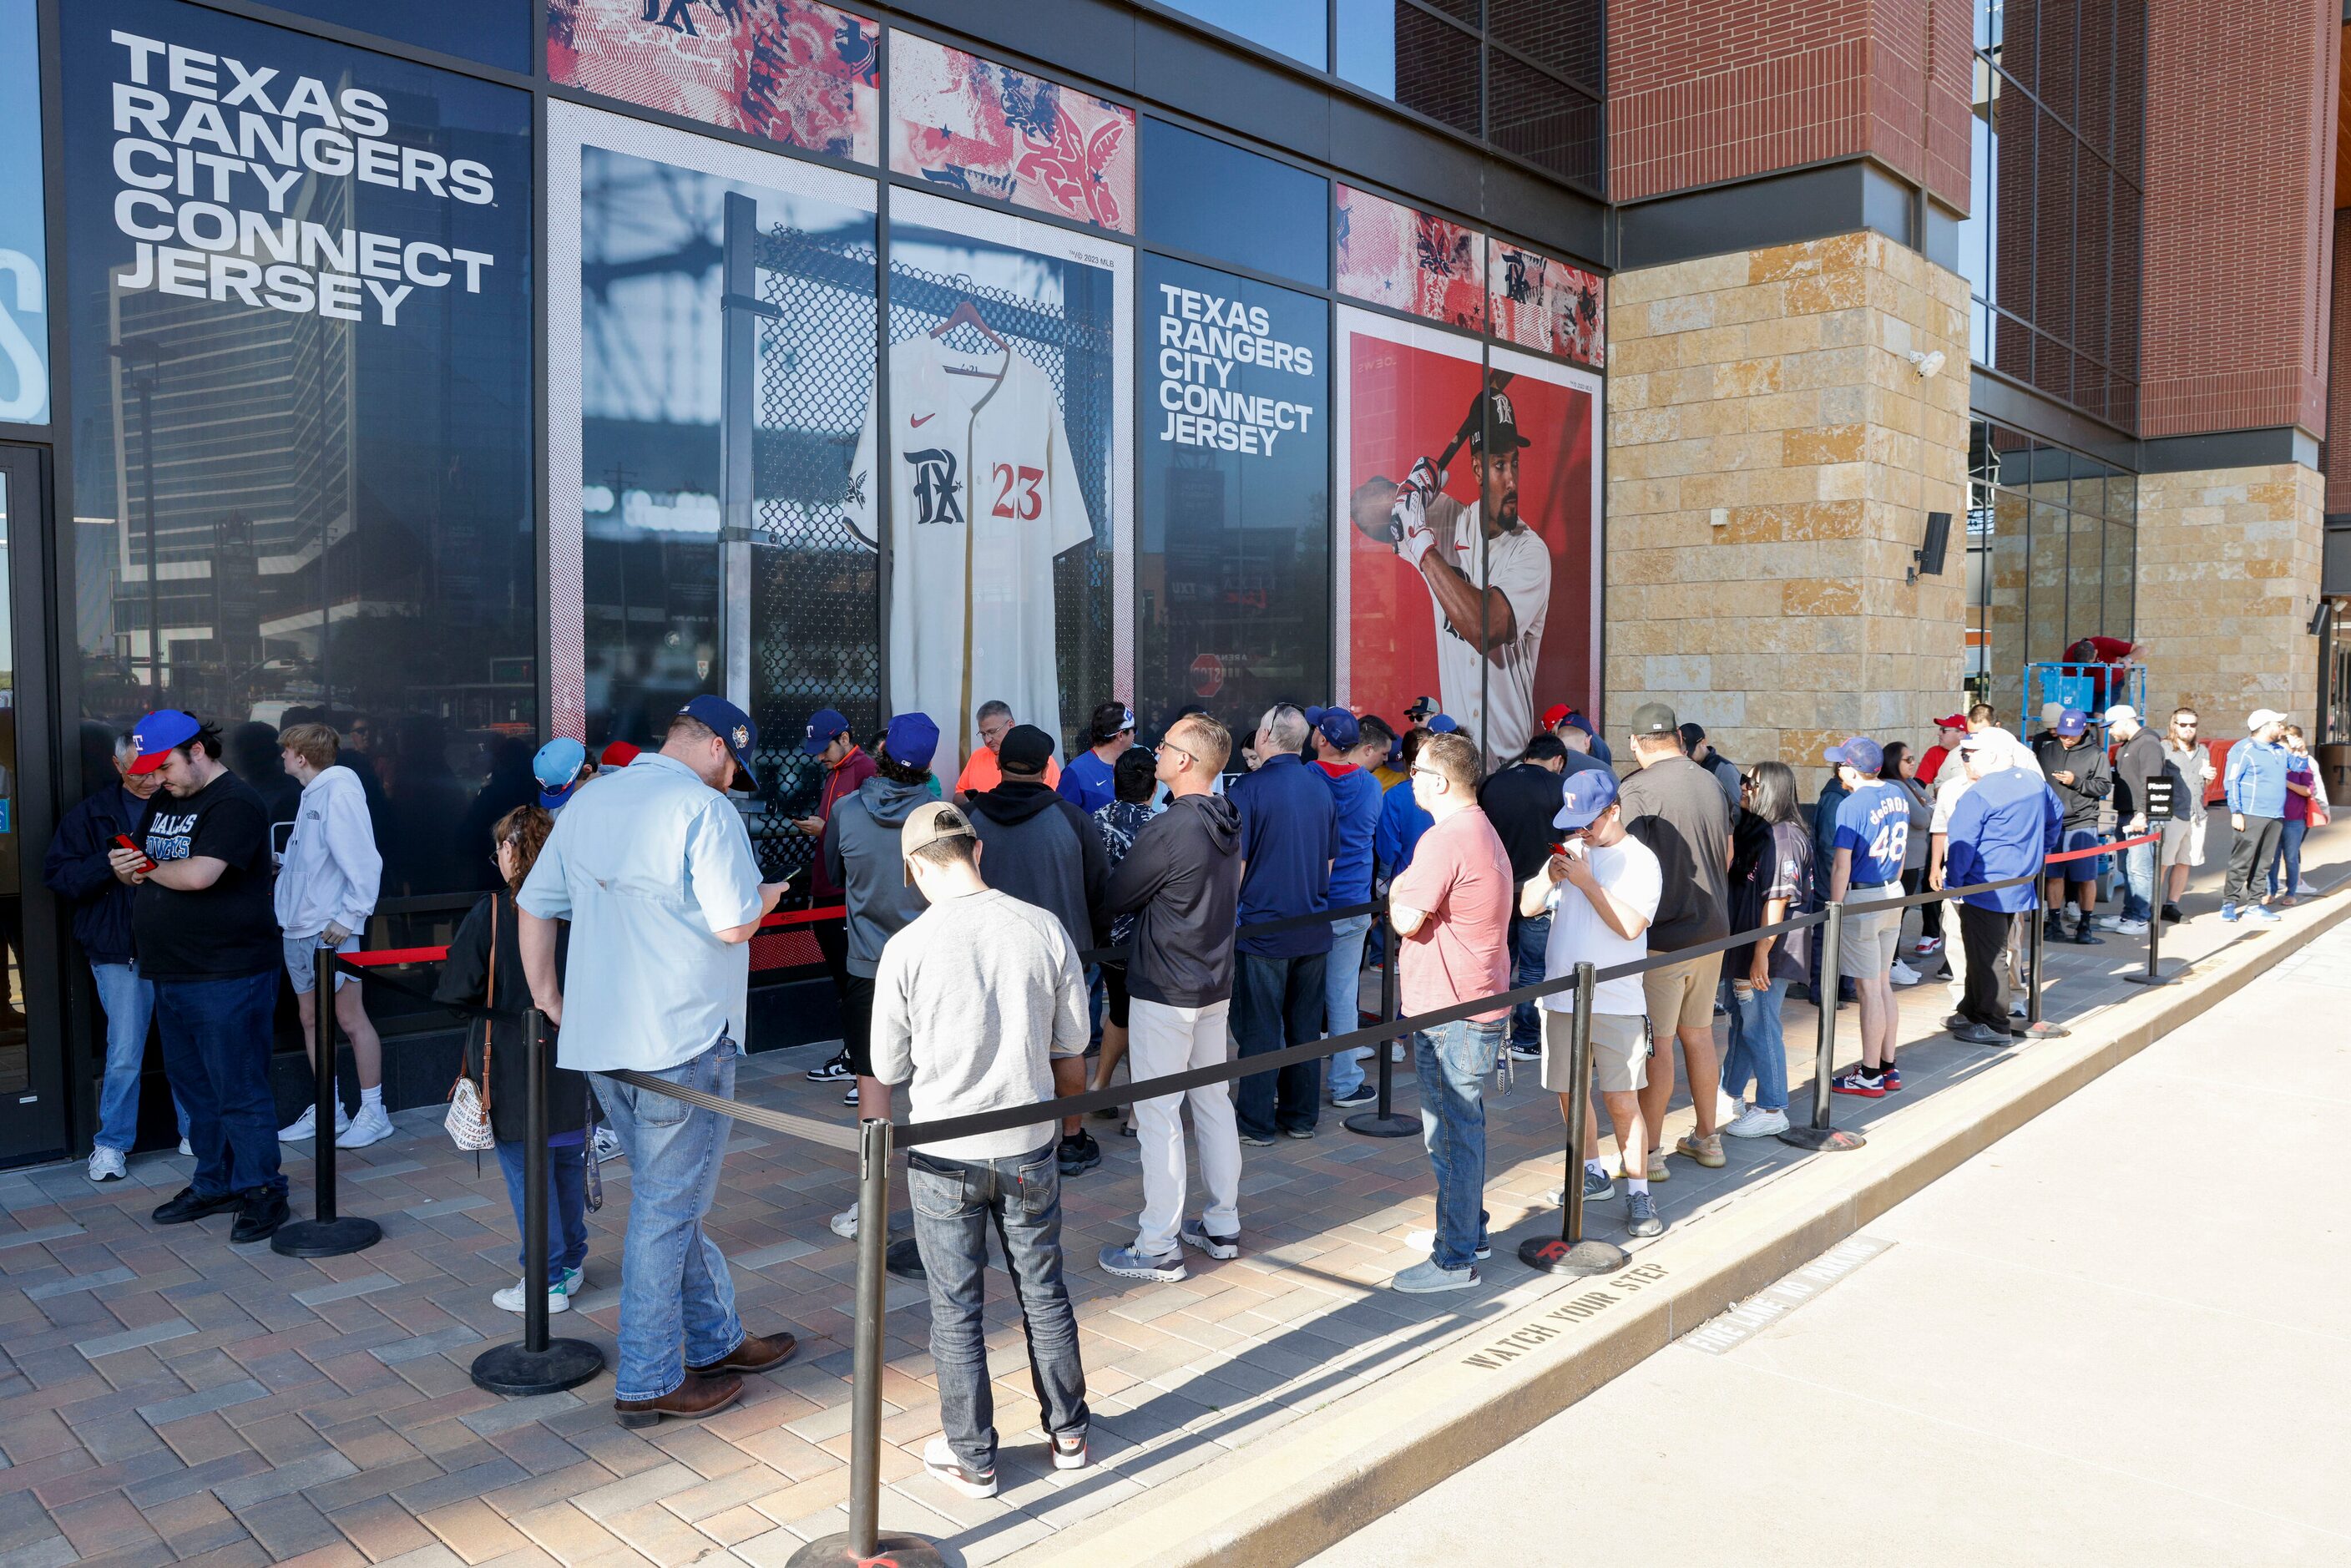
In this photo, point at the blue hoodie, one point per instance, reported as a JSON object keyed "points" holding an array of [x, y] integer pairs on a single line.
{"points": [[1357, 796], [2004, 825], [2255, 778]]}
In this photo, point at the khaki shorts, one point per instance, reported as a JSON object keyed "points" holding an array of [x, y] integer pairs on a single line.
{"points": [[1681, 996], [2183, 844], [1620, 1049], [1870, 935]]}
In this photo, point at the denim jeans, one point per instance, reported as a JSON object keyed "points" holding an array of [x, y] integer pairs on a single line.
{"points": [[1278, 1002], [956, 1203], [216, 1055], [2139, 880], [566, 1202], [674, 1287], [1453, 1061], [1758, 1050], [1530, 944], [1342, 1000], [130, 1005], [2289, 854]]}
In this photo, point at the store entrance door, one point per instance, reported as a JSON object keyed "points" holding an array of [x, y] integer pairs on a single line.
{"points": [[33, 1109]]}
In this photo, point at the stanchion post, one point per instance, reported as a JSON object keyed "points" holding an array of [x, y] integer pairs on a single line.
{"points": [[1570, 1253], [1382, 1120], [1820, 1136], [2038, 915], [327, 1236], [863, 1544], [2155, 975], [539, 1364]]}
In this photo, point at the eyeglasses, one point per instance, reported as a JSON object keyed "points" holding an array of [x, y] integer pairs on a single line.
{"points": [[1746, 781], [1166, 747]]}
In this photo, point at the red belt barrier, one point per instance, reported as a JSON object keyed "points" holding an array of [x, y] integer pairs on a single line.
{"points": [[802, 916], [397, 956], [2102, 849]]}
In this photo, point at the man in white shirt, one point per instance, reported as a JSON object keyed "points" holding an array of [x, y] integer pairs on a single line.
{"points": [[326, 889], [654, 870]]}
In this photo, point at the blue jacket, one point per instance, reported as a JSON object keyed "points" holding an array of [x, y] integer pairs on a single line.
{"points": [[1402, 822], [77, 870], [1289, 830], [1357, 796], [1087, 782], [2255, 778], [2004, 825]]}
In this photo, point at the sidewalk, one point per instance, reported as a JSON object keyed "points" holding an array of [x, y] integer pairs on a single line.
{"points": [[168, 1396]]}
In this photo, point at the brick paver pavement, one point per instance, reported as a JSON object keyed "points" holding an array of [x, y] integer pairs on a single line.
{"points": [[165, 1396]]}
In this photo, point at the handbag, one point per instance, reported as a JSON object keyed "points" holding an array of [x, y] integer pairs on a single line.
{"points": [[469, 1120]]}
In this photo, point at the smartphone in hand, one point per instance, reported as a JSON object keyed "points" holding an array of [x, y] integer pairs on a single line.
{"points": [[123, 841]]}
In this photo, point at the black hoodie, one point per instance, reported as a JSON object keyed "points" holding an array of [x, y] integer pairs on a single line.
{"points": [[1183, 882], [1043, 850]]}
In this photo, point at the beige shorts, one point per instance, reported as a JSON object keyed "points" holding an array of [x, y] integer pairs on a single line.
{"points": [[1870, 935], [1681, 996], [2183, 844], [1620, 1049]]}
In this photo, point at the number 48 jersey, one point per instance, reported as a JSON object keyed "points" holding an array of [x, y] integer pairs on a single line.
{"points": [[984, 493]]}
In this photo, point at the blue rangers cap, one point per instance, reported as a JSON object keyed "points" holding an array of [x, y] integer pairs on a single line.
{"points": [[731, 725], [823, 727], [1582, 796], [159, 735]]}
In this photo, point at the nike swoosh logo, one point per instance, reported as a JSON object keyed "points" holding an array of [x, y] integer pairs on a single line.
{"points": [[920, 419]]}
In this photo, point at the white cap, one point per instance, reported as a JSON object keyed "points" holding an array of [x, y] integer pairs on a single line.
{"points": [[2048, 712], [2263, 716], [2120, 713]]}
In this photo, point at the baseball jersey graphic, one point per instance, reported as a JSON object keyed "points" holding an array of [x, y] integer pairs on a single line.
{"points": [[981, 509], [1516, 563]]}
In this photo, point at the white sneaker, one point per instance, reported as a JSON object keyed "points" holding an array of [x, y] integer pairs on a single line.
{"points": [[106, 1164], [2113, 923], [306, 1125], [2018, 1010], [844, 1224], [608, 1146], [186, 1150], [1728, 1108], [1756, 1122], [2129, 928], [558, 1297], [372, 1125], [1904, 975]]}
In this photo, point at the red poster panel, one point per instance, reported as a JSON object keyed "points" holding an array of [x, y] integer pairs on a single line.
{"points": [[1482, 594], [969, 124], [1406, 259], [1542, 303]]}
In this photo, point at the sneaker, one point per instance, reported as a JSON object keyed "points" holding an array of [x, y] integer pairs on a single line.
{"points": [[1425, 1277], [1129, 1264], [1903, 974], [372, 1125], [1868, 1085], [1727, 1109], [1971, 1033], [559, 1296], [832, 1069], [849, 1097], [1300, 1133], [1657, 1171], [1596, 1187], [1641, 1216], [2264, 914], [2017, 1009], [1757, 1122], [1705, 1151], [2083, 937], [1955, 1020], [186, 1150], [1195, 1234], [2129, 928], [1891, 1076], [2109, 923], [1925, 946], [939, 1460], [306, 1125], [1362, 1094], [2229, 912], [1080, 1154], [259, 1217], [188, 1204], [1069, 1450], [844, 1224], [1250, 1140], [2171, 915], [608, 1146], [1526, 1053], [107, 1165], [2053, 930]]}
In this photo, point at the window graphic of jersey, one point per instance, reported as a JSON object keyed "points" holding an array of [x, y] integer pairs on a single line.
{"points": [[984, 493]]}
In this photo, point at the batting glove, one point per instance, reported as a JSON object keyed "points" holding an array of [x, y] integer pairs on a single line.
{"points": [[1408, 516]]}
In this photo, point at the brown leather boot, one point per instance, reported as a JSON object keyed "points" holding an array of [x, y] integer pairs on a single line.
{"points": [[697, 1396], [757, 1352]]}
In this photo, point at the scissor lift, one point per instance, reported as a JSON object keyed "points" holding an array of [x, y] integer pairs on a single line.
{"points": [[2078, 686]]}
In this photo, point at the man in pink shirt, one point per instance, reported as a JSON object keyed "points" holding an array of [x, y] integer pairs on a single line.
{"points": [[1451, 908]]}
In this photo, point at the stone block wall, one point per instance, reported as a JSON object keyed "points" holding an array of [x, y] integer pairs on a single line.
{"points": [[1772, 455], [2227, 580]]}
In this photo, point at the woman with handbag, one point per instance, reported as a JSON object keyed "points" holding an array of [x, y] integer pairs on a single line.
{"points": [[485, 968]]}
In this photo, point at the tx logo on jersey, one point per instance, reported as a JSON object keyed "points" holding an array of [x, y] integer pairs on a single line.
{"points": [[936, 485]]}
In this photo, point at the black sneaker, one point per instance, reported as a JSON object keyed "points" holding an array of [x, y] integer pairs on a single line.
{"points": [[1525, 1052], [264, 1210], [2171, 915], [1363, 1094], [1080, 1154], [831, 1070], [189, 1204], [2083, 937]]}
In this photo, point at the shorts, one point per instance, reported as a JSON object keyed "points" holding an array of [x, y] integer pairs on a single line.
{"points": [[1621, 1047], [1113, 978], [2183, 844], [301, 963], [1869, 936], [1680, 995], [2089, 868], [857, 1024]]}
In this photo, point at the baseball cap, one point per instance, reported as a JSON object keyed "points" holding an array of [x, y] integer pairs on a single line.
{"points": [[1501, 425], [731, 725], [2072, 721], [2122, 713], [1956, 721], [1421, 707], [558, 762], [912, 740], [1655, 718], [928, 824], [1582, 796], [1340, 727], [1691, 735], [1554, 715], [1859, 752], [2253, 721], [823, 726], [1110, 719], [620, 754], [1442, 724], [1025, 748], [159, 735]]}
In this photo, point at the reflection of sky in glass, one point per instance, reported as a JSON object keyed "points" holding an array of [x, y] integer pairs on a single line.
{"points": [[1367, 45], [1292, 27], [1018, 273]]}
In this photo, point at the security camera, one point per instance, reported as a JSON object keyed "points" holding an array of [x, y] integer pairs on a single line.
{"points": [[1926, 364]]}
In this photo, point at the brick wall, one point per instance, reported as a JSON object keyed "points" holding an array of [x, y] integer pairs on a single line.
{"points": [[2240, 214], [1702, 92], [2338, 377]]}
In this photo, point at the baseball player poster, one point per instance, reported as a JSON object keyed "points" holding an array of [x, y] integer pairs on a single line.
{"points": [[1466, 550]]}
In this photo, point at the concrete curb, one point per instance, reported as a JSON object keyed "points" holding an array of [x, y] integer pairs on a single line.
{"points": [[1280, 1500]]}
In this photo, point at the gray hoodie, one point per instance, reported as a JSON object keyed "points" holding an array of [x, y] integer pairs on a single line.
{"points": [[861, 853]]}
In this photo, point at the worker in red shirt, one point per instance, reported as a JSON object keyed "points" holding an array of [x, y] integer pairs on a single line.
{"points": [[2114, 655], [846, 766], [1949, 733]]}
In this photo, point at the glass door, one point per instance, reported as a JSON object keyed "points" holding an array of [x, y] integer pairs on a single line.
{"points": [[33, 1102]]}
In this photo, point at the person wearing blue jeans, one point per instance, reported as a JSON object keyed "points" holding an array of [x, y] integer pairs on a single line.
{"points": [[1344, 758], [1342, 1003], [216, 1050], [1530, 942], [567, 1214], [128, 1000], [1453, 1061], [1770, 881], [2139, 762]]}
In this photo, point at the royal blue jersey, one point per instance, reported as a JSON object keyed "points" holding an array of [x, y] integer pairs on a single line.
{"points": [[1874, 822]]}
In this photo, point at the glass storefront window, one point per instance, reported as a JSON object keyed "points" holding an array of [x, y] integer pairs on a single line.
{"points": [[23, 247], [1399, 51], [302, 386], [1299, 28], [1205, 195], [494, 32]]}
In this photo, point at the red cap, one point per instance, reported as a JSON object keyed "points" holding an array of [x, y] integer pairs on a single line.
{"points": [[1554, 714], [620, 754], [1956, 721]]}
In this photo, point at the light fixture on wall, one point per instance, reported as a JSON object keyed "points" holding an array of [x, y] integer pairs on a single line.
{"points": [[2322, 617], [1929, 555], [1925, 362]]}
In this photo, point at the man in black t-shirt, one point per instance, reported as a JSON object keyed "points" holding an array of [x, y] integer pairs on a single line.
{"points": [[1520, 802], [206, 934]]}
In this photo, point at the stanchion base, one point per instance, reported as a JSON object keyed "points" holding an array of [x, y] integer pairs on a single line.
{"points": [[1550, 1255], [905, 1261], [889, 1552], [325, 1237], [1372, 1125], [1830, 1140], [2141, 978], [2046, 1032], [511, 1369]]}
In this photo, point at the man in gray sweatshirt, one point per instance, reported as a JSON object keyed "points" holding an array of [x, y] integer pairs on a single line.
{"points": [[976, 1003]]}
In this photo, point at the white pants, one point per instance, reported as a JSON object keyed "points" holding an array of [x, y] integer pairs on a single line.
{"points": [[1161, 1040]]}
